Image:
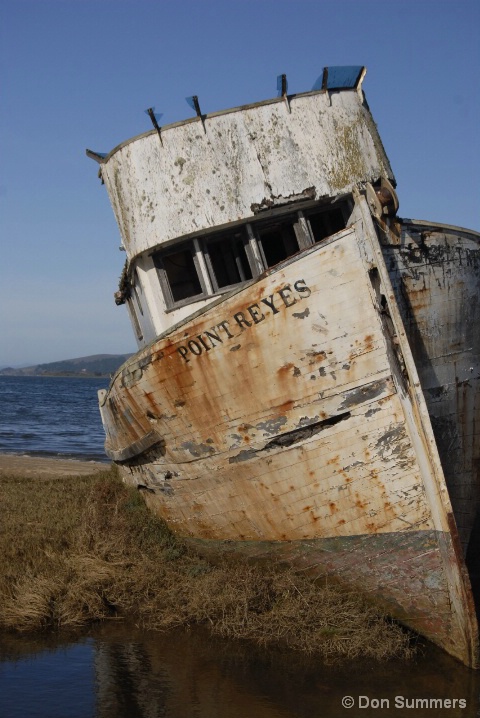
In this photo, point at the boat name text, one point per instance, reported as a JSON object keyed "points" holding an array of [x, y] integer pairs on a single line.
{"points": [[253, 314]]}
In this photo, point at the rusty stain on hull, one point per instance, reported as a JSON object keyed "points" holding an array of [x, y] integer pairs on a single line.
{"points": [[315, 412], [249, 446]]}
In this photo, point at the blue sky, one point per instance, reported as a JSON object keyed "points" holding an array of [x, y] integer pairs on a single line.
{"points": [[80, 73]]}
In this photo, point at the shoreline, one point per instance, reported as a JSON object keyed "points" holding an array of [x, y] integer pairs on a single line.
{"points": [[48, 467]]}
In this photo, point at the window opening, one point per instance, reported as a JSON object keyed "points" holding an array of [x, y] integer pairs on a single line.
{"points": [[278, 241], [227, 260], [181, 273], [324, 224], [201, 267]]}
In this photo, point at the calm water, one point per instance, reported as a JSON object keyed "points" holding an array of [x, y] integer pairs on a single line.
{"points": [[51, 416], [117, 671], [120, 672]]}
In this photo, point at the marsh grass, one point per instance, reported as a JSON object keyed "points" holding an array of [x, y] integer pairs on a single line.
{"points": [[83, 549]]}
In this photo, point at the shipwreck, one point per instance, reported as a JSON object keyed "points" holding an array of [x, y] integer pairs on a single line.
{"points": [[306, 388]]}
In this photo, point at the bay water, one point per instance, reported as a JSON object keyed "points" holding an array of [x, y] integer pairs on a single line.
{"points": [[117, 671], [51, 416]]}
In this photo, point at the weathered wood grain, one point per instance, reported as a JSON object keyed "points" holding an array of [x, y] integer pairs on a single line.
{"points": [[310, 415], [299, 424], [435, 272]]}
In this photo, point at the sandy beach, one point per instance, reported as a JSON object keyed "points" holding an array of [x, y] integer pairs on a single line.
{"points": [[42, 467]]}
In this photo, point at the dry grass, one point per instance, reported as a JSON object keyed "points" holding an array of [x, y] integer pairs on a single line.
{"points": [[82, 549]]}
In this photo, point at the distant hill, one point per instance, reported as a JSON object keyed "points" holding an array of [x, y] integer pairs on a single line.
{"points": [[100, 365]]}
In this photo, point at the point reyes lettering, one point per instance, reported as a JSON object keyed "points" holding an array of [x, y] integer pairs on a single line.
{"points": [[232, 328]]}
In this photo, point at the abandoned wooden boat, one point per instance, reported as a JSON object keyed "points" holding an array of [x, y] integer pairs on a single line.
{"points": [[306, 385]]}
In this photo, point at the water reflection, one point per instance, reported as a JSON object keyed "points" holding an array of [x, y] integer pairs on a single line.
{"points": [[120, 672]]}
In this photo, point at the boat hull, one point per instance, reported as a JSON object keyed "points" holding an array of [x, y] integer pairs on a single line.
{"points": [[435, 273], [402, 572], [287, 421]]}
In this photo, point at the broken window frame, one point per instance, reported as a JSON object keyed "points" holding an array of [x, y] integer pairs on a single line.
{"points": [[265, 227], [342, 207], [251, 237], [158, 260], [239, 235], [134, 317], [137, 291], [301, 228]]}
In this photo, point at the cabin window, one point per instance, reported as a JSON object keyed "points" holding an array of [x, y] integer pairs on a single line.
{"points": [[179, 275], [202, 267], [227, 260], [325, 223], [277, 241], [182, 274]]}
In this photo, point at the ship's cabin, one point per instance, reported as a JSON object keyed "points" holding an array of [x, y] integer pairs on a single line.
{"points": [[166, 284]]}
